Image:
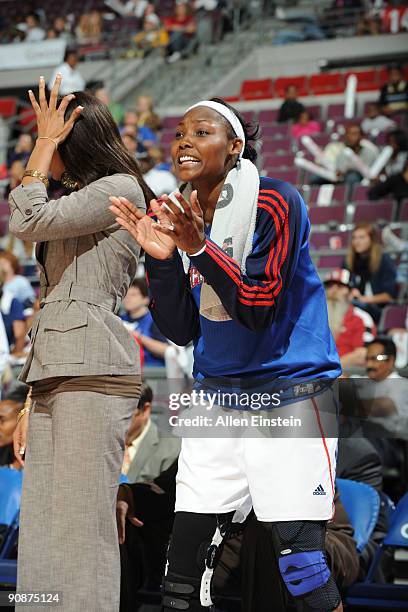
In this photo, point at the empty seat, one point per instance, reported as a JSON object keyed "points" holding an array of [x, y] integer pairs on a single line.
{"points": [[8, 107], [268, 116], [335, 110], [393, 316], [326, 83], [290, 176], [330, 261], [338, 195], [276, 145], [374, 211], [322, 215], [270, 132], [367, 80], [329, 240], [359, 193], [315, 111], [403, 216], [273, 160], [283, 82], [247, 115], [170, 122], [257, 89]]}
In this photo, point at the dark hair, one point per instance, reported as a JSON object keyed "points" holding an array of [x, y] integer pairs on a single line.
{"points": [[395, 66], [35, 15], [94, 148], [251, 131], [141, 284], [400, 138], [389, 345], [12, 259], [17, 392], [146, 395], [70, 51]]}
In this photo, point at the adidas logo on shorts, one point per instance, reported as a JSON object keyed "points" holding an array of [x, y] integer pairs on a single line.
{"points": [[319, 490]]}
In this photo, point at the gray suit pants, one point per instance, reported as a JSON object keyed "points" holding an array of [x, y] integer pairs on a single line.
{"points": [[68, 536]]}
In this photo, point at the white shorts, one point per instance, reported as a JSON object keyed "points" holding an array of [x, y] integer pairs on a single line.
{"points": [[283, 478]]}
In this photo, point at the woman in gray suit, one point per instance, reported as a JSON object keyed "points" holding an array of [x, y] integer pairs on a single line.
{"points": [[84, 365]]}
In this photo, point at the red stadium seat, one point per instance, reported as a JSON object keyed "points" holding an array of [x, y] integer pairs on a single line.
{"points": [[268, 116], [367, 80], [322, 215], [329, 240], [8, 107], [374, 211], [282, 83], [403, 215], [326, 83], [257, 89]]}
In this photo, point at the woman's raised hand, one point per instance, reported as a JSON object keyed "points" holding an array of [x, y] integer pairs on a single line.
{"points": [[143, 228], [50, 119]]}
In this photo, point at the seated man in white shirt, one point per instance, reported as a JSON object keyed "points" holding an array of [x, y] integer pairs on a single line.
{"points": [[72, 79]]}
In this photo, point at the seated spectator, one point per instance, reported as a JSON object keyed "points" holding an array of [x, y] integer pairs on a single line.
{"points": [[375, 121], [394, 94], [22, 149], [10, 405], [372, 272], [33, 30], [15, 175], [345, 165], [152, 36], [291, 108], [398, 140], [395, 186], [51, 34], [130, 143], [12, 313], [352, 327], [181, 28], [159, 179], [144, 136], [14, 283], [369, 25], [115, 108], [147, 453], [89, 28], [130, 8], [137, 317], [146, 117], [63, 29], [305, 126], [72, 79]]}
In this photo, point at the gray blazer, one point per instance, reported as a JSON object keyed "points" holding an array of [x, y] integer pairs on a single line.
{"points": [[87, 262], [154, 455]]}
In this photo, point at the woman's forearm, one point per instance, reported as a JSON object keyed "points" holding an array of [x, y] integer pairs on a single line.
{"points": [[40, 159], [380, 298]]}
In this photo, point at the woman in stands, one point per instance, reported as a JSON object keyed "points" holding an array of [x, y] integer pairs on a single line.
{"points": [[373, 273], [259, 314], [84, 365]]}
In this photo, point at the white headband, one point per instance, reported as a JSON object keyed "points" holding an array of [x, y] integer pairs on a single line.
{"points": [[228, 115]]}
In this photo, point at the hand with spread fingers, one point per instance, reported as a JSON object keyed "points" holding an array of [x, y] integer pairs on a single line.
{"points": [[50, 118], [187, 222], [143, 228]]}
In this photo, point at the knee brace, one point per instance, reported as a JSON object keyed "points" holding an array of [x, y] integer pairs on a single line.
{"points": [[300, 550], [182, 593]]}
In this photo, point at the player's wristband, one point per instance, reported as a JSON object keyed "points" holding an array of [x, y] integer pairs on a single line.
{"points": [[198, 252]]}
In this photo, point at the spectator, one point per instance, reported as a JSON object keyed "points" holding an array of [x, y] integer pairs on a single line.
{"points": [[346, 167], [147, 453], [116, 109], [146, 117], [15, 174], [394, 94], [352, 327], [72, 80], [145, 136], [131, 8], [22, 149], [12, 313], [10, 406], [4, 355], [373, 273], [369, 25], [33, 30], [395, 185], [63, 29], [16, 285], [291, 108], [159, 179], [375, 121], [130, 143], [399, 142], [181, 28], [305, 126], [137, 317], [89, 28], [152, 36], [51, 34]]}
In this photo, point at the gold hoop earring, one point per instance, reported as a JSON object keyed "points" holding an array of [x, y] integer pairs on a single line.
{"points": [[68, 181]]}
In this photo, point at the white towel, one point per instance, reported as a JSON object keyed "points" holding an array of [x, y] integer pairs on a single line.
{"points": [[232, 228]]}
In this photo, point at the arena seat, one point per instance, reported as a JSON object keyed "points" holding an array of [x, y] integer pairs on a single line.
{"points": [[8, 107], [315, 111], [359, 193], [367, 80], [362, 504], [393, 316], [335, 110], [338, 195], [257, 89], [374, 211], [274, 160], [322, 215], [282, 83], [272, 132], [403, 214], [329, 83], [267, 116], [170, 122], [290, 176], [372, 594], [277, 144], [11, 482], [322, 240], [330, 261]]}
